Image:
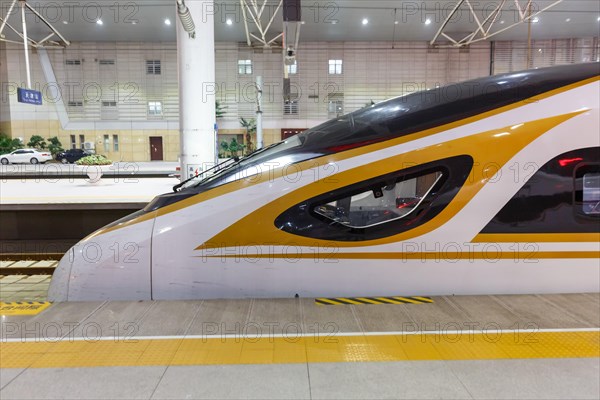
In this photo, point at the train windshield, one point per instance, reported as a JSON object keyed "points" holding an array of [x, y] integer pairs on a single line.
{"points": [[235, 170]]}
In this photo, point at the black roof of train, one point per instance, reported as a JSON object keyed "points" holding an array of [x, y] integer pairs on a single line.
{"points": [[408, 114], [427, 109]]}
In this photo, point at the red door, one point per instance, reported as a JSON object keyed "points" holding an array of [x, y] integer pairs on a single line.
{"points": [[156, 148]]}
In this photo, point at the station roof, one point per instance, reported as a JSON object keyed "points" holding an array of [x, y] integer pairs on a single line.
{"points": [[324, 20]]}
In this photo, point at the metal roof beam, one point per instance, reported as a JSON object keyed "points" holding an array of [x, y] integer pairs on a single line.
{"points": [[484, 29], [45, 42], [256, 12]]}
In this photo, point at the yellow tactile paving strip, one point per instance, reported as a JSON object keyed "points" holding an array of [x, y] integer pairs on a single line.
{"points": [[313, 349], [342, 301], [23, 307]]}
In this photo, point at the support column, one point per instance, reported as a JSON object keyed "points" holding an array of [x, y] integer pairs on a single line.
{"points": [[25, 44], [196, 64], [259, 125]]}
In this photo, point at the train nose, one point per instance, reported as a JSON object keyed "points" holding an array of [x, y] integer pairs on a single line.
{"points": [[59, 286]]}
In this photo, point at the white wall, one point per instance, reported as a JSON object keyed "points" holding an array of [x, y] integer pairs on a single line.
{"points": [[4, 104], [15, 76], [371, 71], [512, 56]]}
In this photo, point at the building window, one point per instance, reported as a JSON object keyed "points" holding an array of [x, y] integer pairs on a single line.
{"points": [[290, 107], [106, 62], [154, 108], [335, 67], [115, 142], [292, 68], [73, 142], [75, 104], [245, 67], [73, 62], [106, 143], [335, 108], [335, 105], [109, 110], [153, 67], [82, 142]]}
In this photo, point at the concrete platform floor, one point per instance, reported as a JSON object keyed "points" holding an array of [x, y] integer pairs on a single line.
{"points": [[498, 379], [51, 170], [459, 347]]}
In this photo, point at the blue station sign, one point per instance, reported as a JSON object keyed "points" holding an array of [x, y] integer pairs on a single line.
{"points": [[29, 96]]}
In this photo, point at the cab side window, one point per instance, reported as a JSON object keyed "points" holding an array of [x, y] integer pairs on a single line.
{"points": [[379, 207], [387, 201]]}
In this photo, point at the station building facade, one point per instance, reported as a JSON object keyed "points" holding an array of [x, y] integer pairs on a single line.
{"points": [[121, 98]]}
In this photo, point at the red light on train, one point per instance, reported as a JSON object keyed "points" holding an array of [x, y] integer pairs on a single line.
{"points": [[566, 161]]}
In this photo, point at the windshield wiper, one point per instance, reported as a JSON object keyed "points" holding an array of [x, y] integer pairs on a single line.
{"points": [[239, 160], [236, 161], [180, 184]]}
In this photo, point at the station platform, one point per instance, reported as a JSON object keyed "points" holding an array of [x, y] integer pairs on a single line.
{"points": [[108, 190], [53, 171], [450, 347], [45, 217]]}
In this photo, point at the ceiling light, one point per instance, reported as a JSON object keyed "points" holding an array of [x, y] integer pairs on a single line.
{"points": [[395, 22], [133, 22], [598, 19], [65, 22], [535, 20], [539, 50], [427, 21], [229, 22], [502, 22], [365, 21], [99, 22], [568, 20], [167, 21]]}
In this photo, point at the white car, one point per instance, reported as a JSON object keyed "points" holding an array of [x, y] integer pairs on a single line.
{"points": [[26, 156]]}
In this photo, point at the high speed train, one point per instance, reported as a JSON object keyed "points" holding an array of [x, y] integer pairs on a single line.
{"points": [[490, 186]]}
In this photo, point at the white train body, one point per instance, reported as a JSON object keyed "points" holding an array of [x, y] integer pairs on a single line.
{"points": [[479, 205]]}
